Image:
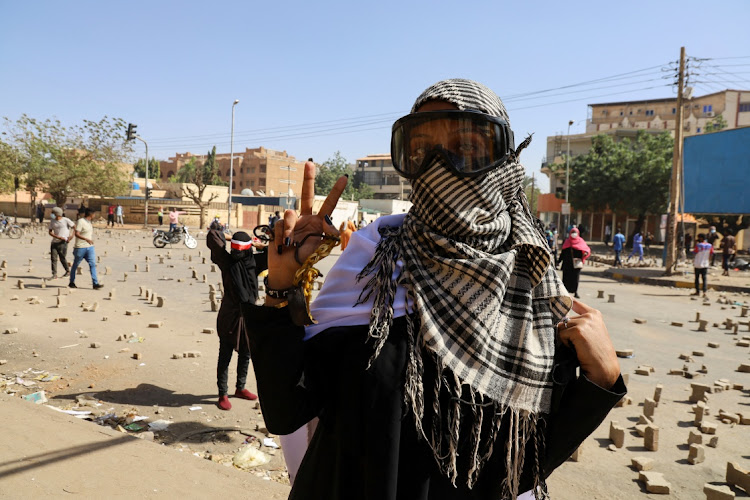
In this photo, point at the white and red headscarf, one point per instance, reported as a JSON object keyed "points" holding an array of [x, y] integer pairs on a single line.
{"points": [[577, 243]]}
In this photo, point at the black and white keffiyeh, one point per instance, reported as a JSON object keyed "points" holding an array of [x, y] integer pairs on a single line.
{"points": [[486, 300]]}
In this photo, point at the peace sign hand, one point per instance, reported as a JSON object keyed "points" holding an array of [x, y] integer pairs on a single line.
{"points": [[294, 229]]}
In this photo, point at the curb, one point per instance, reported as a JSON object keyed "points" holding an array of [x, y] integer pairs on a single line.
{"points": [[609, 273]]}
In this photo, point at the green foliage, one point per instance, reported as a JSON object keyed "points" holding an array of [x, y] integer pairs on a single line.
{"points": [[66, 161], [10, 167], [630, 175], [531, 195], [723, 222], [154, 170], [328, 172], [718, 123]]}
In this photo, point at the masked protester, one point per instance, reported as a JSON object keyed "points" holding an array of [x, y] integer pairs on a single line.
{"points": [[438, 331], [238, 272], [573, 256]]}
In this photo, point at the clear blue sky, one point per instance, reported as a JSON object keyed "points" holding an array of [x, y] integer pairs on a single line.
{"points": [[318, 77]]}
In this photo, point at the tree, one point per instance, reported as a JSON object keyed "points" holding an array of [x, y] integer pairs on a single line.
{"points": [[723, 222], [718, 123], [628, 176], [330, 170], [196, 177], [64, 161], [154, 171], [531, 195]]}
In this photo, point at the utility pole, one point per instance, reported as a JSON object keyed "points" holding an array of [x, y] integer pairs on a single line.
{"points": [[531, 205], [146, 188], [674, 185]]}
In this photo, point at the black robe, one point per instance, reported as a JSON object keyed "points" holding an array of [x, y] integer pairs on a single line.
{"points": [[366, 444]]}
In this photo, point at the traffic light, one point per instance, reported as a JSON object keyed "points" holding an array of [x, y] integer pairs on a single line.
{"points": [[131, 132], [148, 192]]}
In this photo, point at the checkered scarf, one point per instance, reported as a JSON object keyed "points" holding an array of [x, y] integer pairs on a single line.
{"points": [[486, 302]]}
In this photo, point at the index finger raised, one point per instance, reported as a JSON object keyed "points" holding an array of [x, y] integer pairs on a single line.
{"points": [[308, 189], [333, 197]]}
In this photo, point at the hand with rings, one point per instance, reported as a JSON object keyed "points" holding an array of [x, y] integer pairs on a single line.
{"points": [[588, 334], [296, 237]]}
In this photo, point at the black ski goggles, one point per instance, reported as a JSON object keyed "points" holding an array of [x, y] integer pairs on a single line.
{"points": [[471, 142]]}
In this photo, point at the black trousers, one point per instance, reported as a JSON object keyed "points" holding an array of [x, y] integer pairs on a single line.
{"points": [[226, 347], [700, 271], [59, 248]]}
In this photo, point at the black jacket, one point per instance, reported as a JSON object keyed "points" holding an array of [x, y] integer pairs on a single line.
{"points": [[365, 445]]}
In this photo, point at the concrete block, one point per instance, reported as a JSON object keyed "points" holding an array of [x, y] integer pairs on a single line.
{"points": [[157, 324], [576, 456], [695, 437], [209, 331], [176, 356], [729, 418], [699, 353], [649, 406], [641, 429], [611, 299], [624, 353], [640, 321], [657, 393], [195, 275], [742, 343], [112, 294], [718, 492], [708, 428], [132, 312], [60, 300], [95, 345], [699, 392], [642, 371], [737, 476], [655, 482], [20, 285], [626, 400], [697, 454], [713, 442], [61, 320], [191, 354], [160, 301], [10, 331], [651, 439], [213, 268], [713, 345], [137, 355], [676, 323], [744, 368], [214, 306], [642, 463]]}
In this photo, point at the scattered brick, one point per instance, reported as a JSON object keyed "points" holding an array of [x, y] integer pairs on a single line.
{"points": [[642, 463], [697, 454], [655, 482], [737, 476]]}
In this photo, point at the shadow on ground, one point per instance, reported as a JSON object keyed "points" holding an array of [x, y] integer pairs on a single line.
{"points": [[147, 395]]}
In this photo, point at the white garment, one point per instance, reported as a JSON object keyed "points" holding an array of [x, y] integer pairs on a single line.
{"points": [[334, 305]]}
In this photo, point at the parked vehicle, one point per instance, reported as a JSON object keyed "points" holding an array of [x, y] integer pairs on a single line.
{"points": [[7, 227], [162, 238]]}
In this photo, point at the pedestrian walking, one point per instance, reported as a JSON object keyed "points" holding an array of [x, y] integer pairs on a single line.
{"points": [[573, 256], [174, 218], [728, 250], [703, 252], [711, 239], [396, 367], [688, 243], [119, 214], [346, 229], [111, 215], [637, 247], [160, 214], [607, 234], [60, 230], [618, 243], [84, 249], [39, 212], [239, 274]]}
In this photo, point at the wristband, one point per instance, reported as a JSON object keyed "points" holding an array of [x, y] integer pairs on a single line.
{"points": [[276, 294]]}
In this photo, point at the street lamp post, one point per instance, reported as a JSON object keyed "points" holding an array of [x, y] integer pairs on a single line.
{"points": [[231, 166], [146, 188], [567, 176]]}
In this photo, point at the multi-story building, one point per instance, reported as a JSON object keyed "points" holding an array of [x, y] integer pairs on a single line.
{"points": [[262, 171], [624, 120], [377, 171]]}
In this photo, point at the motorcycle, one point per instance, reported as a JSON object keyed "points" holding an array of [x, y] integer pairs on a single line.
{"points": [[161, 238], [7, 227]]}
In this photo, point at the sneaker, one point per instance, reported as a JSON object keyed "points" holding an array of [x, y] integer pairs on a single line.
{"points": [[245, 394], [224, 403], [53, 277], [696, 293], [72, 285], [98, 286], [67, 273]]}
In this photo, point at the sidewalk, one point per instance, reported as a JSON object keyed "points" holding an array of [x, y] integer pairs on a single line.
{"points": [[46, 454]]}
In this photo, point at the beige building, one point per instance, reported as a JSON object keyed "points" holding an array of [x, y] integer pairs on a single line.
{"points": [[262, 171], [625, 119], [377, 171]]}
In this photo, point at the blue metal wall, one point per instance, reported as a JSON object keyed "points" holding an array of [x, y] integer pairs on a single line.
{"points": [[717, 172]]}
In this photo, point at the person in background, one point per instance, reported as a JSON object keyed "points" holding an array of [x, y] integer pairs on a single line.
{"points": [[273, 219], [60, 230], [607, 234], [239, 274], [345, 233], [711, 239], [728, 251], [160, 215], [688, 243], [703, 252], [111, 215], [174, 218], [637, 247], [552, 242], [573, 256], [40, 212], [618, 243], [119, 214], [84, 249]]}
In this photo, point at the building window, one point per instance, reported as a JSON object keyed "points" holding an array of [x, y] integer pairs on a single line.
{"points": [[261, 183], [631, 112], [252, 183], [674, 111], [744, 107], [262, 169], [252, 170], [649, 112], [622, 113], [698, 130], [707, 108]]}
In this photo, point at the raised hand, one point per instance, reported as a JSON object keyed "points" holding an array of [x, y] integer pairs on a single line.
{"points": [[588, 335], [294, 229]]}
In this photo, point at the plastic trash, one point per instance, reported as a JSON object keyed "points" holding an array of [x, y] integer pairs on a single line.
{"points": [[37, 397], [270, 443], [159, 425], [249, 456]]}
